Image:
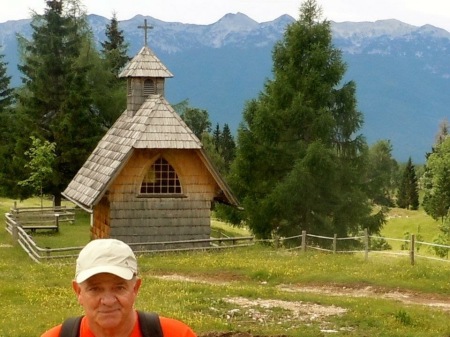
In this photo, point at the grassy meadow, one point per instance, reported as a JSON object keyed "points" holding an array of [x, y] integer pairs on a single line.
{"points": [[257, 289]]}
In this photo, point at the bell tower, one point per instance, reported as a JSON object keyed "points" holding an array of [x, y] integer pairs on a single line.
{"points": [[145, 75]]}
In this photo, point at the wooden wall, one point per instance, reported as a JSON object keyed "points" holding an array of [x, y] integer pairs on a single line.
{"points": [[136, 96], [134, 218], [102, 226]]}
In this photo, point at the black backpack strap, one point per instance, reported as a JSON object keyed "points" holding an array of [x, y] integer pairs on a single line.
{"points": [[150, 325], [71, 327]]}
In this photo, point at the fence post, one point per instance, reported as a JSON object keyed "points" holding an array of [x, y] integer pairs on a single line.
{"points": [[366, 244], [276, 241], [15, 231], [15, 210], [411, 252], [303, 241], [334, 243], [57, 222]]}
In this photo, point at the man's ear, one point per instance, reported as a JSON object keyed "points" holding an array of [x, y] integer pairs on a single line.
{"points": [[137, 285], [76, 288]]}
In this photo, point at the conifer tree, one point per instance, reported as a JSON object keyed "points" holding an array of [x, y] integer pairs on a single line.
{"points": [[299, 163], [114, 48], [224, 144], [436, 182], [381, 171], [7, 121], [408, 191], [216, 136], [6, 92], [227, 146], [108, 92], [56, 102]]}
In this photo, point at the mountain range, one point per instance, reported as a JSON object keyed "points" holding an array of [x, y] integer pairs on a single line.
{"points": [[402, 72]]}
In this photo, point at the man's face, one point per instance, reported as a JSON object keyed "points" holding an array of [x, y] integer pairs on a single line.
{"points": [[108, 300]]}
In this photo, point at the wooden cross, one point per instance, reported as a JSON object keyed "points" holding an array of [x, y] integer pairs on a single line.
{"points": [[145, 27]]}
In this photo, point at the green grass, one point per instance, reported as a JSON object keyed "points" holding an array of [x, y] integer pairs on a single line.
{"points": [[35, 297], [70, 234], [403, 221], [220, 227]]}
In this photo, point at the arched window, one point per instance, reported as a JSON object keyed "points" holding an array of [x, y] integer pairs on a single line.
{"points": [[161, 178], [149, 87]]}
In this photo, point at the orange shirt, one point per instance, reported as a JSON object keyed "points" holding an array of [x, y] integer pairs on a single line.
{"points": [[170, 327]]}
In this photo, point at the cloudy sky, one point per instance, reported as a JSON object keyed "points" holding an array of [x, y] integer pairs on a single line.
{"points": [[415, 12]]}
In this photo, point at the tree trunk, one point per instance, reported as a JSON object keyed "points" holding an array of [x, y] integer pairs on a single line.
{"points": [[57, 199]]}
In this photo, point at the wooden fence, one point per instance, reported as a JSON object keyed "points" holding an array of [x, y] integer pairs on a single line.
{"points": [[306, 242], [38, 254], [412, 251], [42, 218]]}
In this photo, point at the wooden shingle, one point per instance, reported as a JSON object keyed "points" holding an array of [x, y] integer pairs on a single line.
{"points": [[145, 64], [155, 125], [149, 122]]}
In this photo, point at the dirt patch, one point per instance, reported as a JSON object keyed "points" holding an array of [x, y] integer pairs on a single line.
{"points": [[374, 292], [259, 310], [234, 334], [300, 311], [207, 280], [407, 297]]}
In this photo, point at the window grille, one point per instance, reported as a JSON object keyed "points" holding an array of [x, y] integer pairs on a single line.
{"points": [[149, 87], [161, 178]]}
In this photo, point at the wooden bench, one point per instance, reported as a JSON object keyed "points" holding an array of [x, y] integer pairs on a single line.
{"points": [[34, 228], [42, 218], [44, 214]]}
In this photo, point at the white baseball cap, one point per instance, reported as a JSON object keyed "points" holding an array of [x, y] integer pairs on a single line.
{"points": [[106, 256]]}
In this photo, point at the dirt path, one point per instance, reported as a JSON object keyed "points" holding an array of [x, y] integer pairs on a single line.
{"points": [[406, 297], [401, 296], [304, 311]]}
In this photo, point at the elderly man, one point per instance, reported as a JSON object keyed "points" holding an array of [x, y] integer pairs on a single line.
{"points": [[106, 285]]}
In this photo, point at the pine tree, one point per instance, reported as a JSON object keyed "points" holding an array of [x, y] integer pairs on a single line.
{"points": [[7, 121], [114, 48], [436, 182], [108, 91], [217, 134], [56, 100], [408, 194], [381, 172], [6, 92], [299, 164], [227, 146]]}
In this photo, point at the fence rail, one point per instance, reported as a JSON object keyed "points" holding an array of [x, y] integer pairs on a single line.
{"points": [[42, 218], [39, 254], [412, 244]]}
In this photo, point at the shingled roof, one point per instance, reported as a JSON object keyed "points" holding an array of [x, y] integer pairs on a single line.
{"points": [[145, 64], [155, 125]]}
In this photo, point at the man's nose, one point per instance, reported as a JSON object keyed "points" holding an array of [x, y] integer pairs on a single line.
{"points": [[108, 298]]}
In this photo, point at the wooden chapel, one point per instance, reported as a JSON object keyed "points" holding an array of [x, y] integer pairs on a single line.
{"points": [[149, 178]]}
